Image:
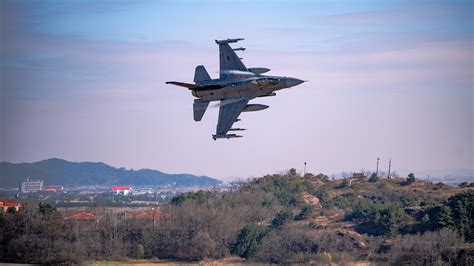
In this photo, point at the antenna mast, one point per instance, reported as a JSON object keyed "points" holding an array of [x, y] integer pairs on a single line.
{"points": [[389, 166]]}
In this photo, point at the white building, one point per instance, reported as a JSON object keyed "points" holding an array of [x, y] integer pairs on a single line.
{"points": [[30, 185]]}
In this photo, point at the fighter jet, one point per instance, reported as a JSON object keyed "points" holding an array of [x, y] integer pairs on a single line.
{"points": [[234, 88]]}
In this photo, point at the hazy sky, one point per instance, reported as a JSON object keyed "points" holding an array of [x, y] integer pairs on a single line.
{"points": [[85, 81]]}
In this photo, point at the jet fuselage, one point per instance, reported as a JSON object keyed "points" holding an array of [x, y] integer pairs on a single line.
{"points": [[250, 86]]}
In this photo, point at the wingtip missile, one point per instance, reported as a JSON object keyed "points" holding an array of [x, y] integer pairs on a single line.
{"points": [[226, 136], [229, 40]]}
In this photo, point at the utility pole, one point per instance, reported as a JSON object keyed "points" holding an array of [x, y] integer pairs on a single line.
{"points": [[389, 166], [377, 170]]}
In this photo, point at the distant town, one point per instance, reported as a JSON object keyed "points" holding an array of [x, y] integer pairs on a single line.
{"points": [[35, 189], [96, 202]]}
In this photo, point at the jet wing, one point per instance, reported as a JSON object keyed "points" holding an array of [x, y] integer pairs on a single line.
{"points": [[229, 111], [228, 59]]}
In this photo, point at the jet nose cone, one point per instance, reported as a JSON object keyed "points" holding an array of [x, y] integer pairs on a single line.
{"points": [[291, 82]]}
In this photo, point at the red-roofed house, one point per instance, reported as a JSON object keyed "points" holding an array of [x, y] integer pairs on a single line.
{"points": [[122, 189], [82, 216], [5, 205], [53, 188], [152, 215]]}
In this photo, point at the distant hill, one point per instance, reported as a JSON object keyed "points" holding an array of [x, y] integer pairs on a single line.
{"points": [[62, 172]]}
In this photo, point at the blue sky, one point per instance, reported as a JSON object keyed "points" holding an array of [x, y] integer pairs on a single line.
{"points": [[84, 81]]}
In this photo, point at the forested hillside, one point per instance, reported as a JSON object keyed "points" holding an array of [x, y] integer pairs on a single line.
{"points": [[62, 172], [272, 219]]}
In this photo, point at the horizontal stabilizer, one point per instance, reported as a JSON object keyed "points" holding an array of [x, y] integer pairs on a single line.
{"points": [[237, 129], [196, 87], [226, 136], [199, 108], [183, 84]]}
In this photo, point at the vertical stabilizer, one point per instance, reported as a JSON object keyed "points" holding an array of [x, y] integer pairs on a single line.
{"points": [[201, 74], [199, 108]]}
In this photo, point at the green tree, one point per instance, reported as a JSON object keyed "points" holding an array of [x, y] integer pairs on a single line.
{"points": [[425, 220], [444, 217], [462, 207], [305, 212], [373, 178], [46, 209], [200, 197], [292, 172], [392, 218], [466, 184], [248, 240], [411, 178], [281, 218], [323, 195]]}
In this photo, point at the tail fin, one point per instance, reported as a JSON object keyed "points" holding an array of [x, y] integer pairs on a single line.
{"points": [[201, 74], [199, 108]]}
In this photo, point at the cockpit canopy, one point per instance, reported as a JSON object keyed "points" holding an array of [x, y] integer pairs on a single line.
{"points": [[266, 81]]}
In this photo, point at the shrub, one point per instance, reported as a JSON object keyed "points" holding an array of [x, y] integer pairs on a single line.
{"points": [[345, 183], [291, 245], [431, 248], [344, 201], [138, 251], [466, 184]]}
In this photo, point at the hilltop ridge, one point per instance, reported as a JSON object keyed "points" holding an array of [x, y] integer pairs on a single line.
{"points": [[277, 219]]}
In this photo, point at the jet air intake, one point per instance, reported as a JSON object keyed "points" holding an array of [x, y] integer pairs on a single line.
{"points": [[255, 107]]}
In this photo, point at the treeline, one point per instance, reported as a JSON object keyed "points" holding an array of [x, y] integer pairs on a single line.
{"points": [[267, 220], [389, 217]]}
